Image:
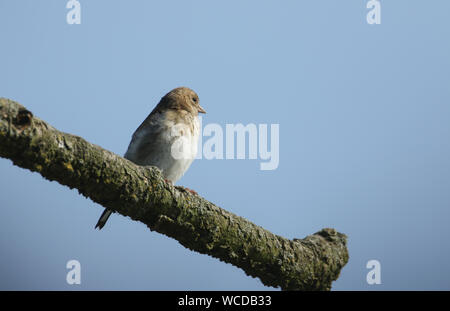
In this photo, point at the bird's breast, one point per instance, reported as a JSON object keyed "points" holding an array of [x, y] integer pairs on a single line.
{"points": [[166, 141], [181, 148]]}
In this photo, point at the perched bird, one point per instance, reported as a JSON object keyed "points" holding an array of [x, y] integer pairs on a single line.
{"points": [[167, 138]]}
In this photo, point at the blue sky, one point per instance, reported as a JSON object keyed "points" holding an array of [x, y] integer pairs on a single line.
{"points": [[363, 112]]}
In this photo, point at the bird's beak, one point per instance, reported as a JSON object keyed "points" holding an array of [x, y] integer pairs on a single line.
{"points": [[200, 109]]}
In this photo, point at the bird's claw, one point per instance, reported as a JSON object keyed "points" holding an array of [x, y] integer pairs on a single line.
{"points": [[187, 190]]}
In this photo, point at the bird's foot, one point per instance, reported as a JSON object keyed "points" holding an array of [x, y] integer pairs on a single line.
{"points": [[187, 190]]}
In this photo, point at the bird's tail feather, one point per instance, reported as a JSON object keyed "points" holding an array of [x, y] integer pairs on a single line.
{"points": [[103, 219]]}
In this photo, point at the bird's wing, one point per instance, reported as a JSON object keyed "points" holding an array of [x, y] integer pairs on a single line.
{"points": [[145, 145]]}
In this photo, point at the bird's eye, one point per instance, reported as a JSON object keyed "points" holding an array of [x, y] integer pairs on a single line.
{"points": [[194, 99]]}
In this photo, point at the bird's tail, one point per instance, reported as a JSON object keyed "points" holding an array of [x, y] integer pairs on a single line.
{"points": [[103, 219]]}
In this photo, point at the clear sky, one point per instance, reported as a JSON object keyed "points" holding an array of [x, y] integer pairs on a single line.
{"points": [[363, 112]]}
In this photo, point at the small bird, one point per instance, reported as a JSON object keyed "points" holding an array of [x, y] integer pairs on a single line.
{"points": [[167, 138]]}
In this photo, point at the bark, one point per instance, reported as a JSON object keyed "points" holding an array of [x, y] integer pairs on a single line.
{"points": [[140, 193]]}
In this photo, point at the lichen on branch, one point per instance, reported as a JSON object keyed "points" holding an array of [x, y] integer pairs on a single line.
{"points": [[141, 193]]}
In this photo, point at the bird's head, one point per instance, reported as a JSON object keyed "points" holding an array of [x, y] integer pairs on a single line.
{"points": [[182, 98]]}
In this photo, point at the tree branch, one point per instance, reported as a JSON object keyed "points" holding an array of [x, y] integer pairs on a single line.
{"points": [[141, 193]]}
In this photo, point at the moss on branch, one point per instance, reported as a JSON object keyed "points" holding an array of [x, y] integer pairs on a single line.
{"points": [[140, 193]]}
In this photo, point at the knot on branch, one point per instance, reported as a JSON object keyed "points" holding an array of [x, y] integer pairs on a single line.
{"points": [[332, 235], [23, 119]]}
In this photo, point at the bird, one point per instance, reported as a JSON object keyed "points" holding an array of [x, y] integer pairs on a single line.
{"points": [[167, 138]]}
